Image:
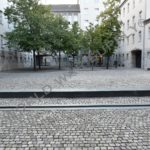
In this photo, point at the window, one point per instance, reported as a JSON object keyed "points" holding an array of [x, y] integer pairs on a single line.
{"points": [[149, 32], [140, 15], [133, 20], [128, 7], [123, 27], [128, 24], [133, 3], [1, 41], [96, 22], [127, 40], [123, 41], [75, 18], [127, 56], [86, 23], [97, 9], [123, 11], [1, 17], [69, 18], [96, 1], [140, 36], [86, 10], [133, 38]]}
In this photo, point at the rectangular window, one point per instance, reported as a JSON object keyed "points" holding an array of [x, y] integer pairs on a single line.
{"points": [[133, 3], [149, 32], [123, 12], [140, 15], [1, 41], [97, 9], [86, 23], [133, 20], [128, 7], [75, 18], [128, 24], [140, 36], [1, 17], [96, 1], [86, 10], [127, 40], [133, 38], [127, 56]]}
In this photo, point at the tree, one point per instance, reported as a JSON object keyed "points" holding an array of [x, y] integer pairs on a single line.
{"points": [[73, 44], [110, 29], [88, 42], [58, 37], [29, 19]]}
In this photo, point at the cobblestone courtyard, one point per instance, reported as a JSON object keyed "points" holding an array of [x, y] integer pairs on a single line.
{"points": [[90, 80], [75, 129]]}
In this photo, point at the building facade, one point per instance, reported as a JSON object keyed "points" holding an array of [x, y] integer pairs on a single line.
{"points": [[90, 9], [132, 51], [71, 12], [10, 58]]}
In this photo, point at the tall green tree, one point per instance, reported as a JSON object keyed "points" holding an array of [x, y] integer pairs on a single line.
{"points": [[88, 42], [110, 29], [29, 19], [59, 30]]}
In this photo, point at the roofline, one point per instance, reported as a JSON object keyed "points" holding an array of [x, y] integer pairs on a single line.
{"points": [[66, 5], [123, 3], [147, 21]]}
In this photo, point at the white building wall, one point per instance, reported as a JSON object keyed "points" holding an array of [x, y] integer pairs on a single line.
{"points": [[132, 16], [72, 17], [147, 45], [9, 59], [90, 9]]}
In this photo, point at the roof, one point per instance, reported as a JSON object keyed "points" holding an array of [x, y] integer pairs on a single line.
{"points": [[123, 2], [147, 21], [65, 8]]}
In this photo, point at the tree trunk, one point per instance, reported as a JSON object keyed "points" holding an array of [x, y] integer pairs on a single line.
{"points": [[59, 60], [73, 60], [34, 60], [108, 59], [39, 61], [92, 63]]}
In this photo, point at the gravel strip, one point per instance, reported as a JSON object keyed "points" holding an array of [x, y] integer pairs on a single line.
{"points": [[75, 101]]}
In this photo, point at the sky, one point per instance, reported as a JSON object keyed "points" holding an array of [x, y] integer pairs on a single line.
{"points": [[59, 1]]}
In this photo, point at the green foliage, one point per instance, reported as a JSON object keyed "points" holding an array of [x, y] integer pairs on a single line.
{"points": [[30, 22], [110, 29], [73, 43], [57, 34]]}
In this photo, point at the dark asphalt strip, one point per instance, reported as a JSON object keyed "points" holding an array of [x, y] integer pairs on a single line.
{"points": [[74, 106]]}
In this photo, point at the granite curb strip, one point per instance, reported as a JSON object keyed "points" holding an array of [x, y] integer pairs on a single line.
{"points": [[73, 94]]}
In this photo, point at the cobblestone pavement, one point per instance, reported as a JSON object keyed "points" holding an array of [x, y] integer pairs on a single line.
{"points": [[74, 101], [98, 79], [75, 129]]}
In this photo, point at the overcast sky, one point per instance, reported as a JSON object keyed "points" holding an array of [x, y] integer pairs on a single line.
{"points": [[59, 1]]}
